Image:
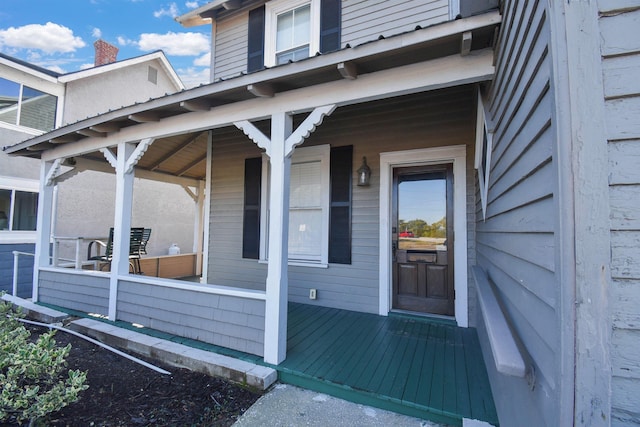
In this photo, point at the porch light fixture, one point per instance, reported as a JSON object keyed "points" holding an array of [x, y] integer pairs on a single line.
{"points": [[364, 174]]}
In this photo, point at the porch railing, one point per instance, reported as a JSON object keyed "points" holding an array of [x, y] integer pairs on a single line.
{"points": [[77, 263]]}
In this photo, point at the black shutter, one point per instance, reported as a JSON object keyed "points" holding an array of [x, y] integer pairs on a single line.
{"points": [[255, 56], [330, 23], [340, 208], [251, 221]]}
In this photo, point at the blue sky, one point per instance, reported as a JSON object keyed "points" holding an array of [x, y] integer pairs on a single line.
{"points": [[59, 34]]}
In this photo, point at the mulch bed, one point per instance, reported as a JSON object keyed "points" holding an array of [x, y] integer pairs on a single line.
{"points": [[124, 393]]}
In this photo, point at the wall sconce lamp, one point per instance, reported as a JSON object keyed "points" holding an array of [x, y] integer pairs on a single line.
{"points": [[364, 174]]}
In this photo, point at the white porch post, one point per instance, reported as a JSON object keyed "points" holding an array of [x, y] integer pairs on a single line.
{"points": [[198, 227], [45, 210], [277, 287], [121, 223]]}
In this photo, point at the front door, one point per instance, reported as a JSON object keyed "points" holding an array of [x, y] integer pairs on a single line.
{"points": [[422, 239]]}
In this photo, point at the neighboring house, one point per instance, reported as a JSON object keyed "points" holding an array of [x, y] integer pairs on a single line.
{"points": [[516, 128], [34, 101]]}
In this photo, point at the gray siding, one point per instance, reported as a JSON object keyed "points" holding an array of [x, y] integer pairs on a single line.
{"points": [[231, 47], [366, 20], [362, 21], [427, 120], [621, 67], [88, 293], [516, 244], [227, 321], [25, 268]]}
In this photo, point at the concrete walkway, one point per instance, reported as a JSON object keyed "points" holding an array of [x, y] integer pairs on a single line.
{"points": [[286, 405]]}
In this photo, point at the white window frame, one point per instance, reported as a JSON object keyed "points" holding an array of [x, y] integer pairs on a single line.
{"points": [[483, 165], [321, 153], [277, 7], [24, 185]]}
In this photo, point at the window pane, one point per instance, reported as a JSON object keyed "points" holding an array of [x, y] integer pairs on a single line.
{"points": [[305, 233], [284, 36], [293, 55], [5, 208], [38, 110], [305, 185], [9, 93], [25, 211], [301, 25]]}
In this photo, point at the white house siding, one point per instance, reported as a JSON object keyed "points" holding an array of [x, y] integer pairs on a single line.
{"points": [[439, 118], [366, 20], [228, 321], [516, 243], [118, 88], [621, 67], [75, 291], [231, 47]]}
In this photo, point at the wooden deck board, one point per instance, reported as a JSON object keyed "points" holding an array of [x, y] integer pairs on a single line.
{"points": [[406, 364]]}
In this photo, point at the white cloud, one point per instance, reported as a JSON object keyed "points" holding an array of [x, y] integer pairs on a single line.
{"points": [[96, 33], [191, 4], [203, 61], [170, 11], [179, 44], [49, 38], [123, 41], [192, 77], [86, 66]]}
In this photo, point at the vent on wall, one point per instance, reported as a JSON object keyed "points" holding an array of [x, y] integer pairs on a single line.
{"points": [[153, 75]]}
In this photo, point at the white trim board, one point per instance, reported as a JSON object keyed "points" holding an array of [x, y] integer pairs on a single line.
{"points": [[457, 156]]}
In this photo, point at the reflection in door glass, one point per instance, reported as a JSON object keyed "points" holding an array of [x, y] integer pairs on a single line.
{"points": [[422, 212]]}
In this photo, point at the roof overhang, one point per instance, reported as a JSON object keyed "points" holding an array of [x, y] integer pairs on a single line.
{"points": [[453, 53], [207, 13]]}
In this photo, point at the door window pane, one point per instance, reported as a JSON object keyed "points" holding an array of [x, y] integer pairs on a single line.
{"points": [[5, 209], [25, 211], [422, 212]]}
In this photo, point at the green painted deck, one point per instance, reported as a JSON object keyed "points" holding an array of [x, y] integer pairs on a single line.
{"points": [[424, 368]]}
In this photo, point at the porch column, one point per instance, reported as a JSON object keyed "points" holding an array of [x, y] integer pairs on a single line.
{"points": [[121, 222], [198, 227], [277, 286], [43, 228]]}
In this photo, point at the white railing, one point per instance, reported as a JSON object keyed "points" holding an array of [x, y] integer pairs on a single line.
{"points": [[78, 263]]}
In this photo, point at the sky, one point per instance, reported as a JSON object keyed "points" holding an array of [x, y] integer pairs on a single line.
{"points": [[59, 34]]}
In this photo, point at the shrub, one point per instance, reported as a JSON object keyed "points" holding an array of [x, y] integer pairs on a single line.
{"points": [[32, 373]]}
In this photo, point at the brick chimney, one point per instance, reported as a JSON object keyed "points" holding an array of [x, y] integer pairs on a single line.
{"points": [[105, 53]]}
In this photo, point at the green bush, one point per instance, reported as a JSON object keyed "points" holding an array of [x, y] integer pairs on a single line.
{"points": [[32, 373]]}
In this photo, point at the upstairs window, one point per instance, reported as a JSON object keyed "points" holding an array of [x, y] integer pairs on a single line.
{"points": [[24, 106], [291, 30]]}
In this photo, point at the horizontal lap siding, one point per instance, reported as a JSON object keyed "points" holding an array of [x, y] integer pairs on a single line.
{"points": [[621, 67], [366, 20], [231, 47], [516, 244], [434, 119], [25, 268], [87, 293], [223, 320]]}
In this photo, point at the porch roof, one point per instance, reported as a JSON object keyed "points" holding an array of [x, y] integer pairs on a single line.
{"points": [[462, 36]]}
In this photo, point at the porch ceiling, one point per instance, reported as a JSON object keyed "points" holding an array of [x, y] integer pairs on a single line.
{"points": [[185, 154]]}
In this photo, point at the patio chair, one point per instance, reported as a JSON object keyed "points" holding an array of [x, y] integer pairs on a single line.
{"points": [[138, 240]]}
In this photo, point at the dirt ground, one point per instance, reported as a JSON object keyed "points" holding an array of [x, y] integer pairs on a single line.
{"points": [[124, 393]]}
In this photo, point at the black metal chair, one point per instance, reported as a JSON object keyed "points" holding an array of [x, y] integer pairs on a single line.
{"points": [[138, 240]]}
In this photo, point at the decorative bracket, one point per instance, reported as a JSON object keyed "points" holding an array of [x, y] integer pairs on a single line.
{"points": [[191, 194], [137, 154], [254, 134], [306, 128], [110, 157], [53, 172]]}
